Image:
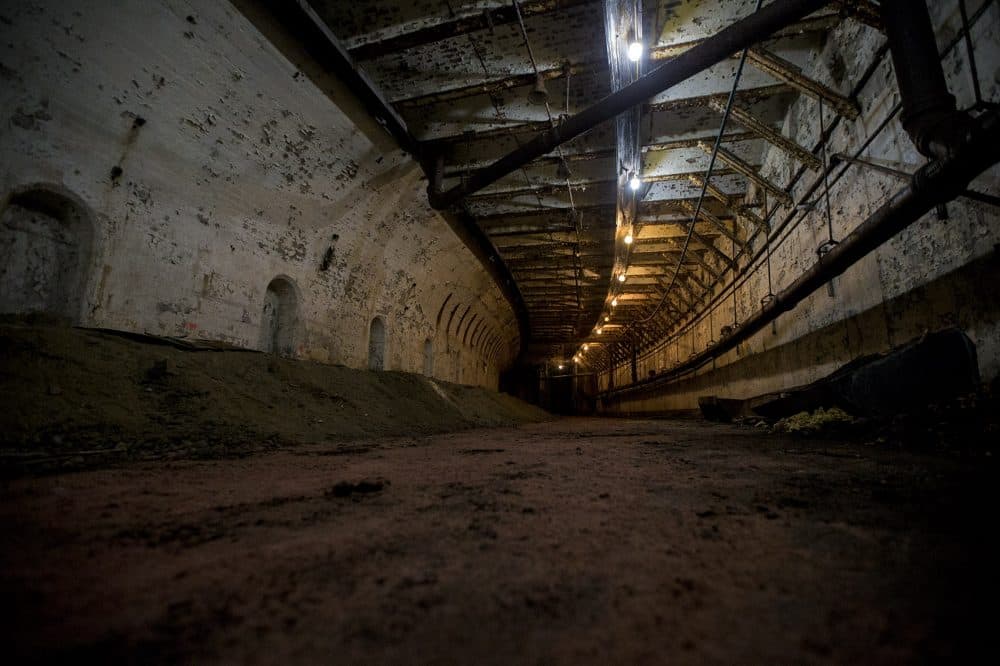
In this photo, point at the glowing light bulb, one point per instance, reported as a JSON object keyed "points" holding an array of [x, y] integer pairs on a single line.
{"points": [[634, 182], [586, 347], [560, 366], [621, 278], [599, 331], [614, 302], [607, 318], [635, 51], [628, 239]]}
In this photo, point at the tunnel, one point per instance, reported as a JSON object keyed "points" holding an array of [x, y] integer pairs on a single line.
{"points": [[499, 331]]}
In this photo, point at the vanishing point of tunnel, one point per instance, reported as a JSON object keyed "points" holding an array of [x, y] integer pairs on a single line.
{"points": [[499, 331]]}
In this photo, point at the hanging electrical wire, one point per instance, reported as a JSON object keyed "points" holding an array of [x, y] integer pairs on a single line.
{"points": [[704, 185]]}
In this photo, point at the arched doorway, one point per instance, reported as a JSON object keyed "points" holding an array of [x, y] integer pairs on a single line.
{"points": [[376, 345], [280, 317], [45, 245], [428, 357]]}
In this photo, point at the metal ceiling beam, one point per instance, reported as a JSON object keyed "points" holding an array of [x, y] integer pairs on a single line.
{"points": [[725, 199], [813, 24], [776, 139], [492, 86], [457, 171], [742, 34], [785, 71], [731, 202], [502, 84], [746, 96], [716, 222], [749, 172], [524, 229], [555, 212], [486, 19], [555, 188]]}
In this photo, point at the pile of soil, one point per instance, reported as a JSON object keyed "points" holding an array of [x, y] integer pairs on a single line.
{"points": [[78, 397]]}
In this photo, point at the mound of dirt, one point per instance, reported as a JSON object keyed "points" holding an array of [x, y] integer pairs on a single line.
{"points": [[76, 395]]}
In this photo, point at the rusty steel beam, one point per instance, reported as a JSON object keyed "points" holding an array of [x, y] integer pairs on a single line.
{"points": [[746, 96], [821, 23], [785, 71], [699, 182], [490, 87], [673, 177], [716, 222], [776, 139], [730, 201], [456, 171], [741, 34], [524, 229], [749, 172], [544, 188], [457, 26], [554, 188], [555, 212]]}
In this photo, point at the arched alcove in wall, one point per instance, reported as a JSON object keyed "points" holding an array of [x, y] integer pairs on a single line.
{"points": [[376, 345], [280, 317], [46, 235]]}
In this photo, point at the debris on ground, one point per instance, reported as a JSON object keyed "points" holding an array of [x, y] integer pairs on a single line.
{"points": [[822, 420]]}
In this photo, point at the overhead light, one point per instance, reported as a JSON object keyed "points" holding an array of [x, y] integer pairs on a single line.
{"points": [[586, 347], [634, 182], [599, 331], [635, 51], [614, 302], [621, 277], [607, 318], [628, 239]]}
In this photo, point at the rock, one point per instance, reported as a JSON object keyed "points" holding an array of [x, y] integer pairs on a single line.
{"points": [[346, 488]]}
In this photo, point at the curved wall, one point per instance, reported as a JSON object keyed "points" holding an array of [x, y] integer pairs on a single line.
{"points": [[212, 166]]}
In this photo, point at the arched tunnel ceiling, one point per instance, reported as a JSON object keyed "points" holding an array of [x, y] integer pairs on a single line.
{"points": [[460, 74]]}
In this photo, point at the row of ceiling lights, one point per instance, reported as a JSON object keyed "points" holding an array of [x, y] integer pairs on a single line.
{"points": [[634, 51]]}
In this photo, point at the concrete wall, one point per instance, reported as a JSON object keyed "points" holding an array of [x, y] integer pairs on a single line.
{"points": [[205, 166], [937, 273]]}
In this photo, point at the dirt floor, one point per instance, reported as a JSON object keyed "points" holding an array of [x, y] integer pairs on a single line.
{"points": [[163, 501], [577, 540], [82, 398]]}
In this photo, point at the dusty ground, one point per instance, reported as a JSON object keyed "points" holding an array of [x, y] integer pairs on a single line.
{"points": [[578, 540], [163, 504]]}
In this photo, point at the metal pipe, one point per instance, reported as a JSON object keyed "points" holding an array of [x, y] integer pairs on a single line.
{"points": [[929, 114], [935, 183], [738, 36]]}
